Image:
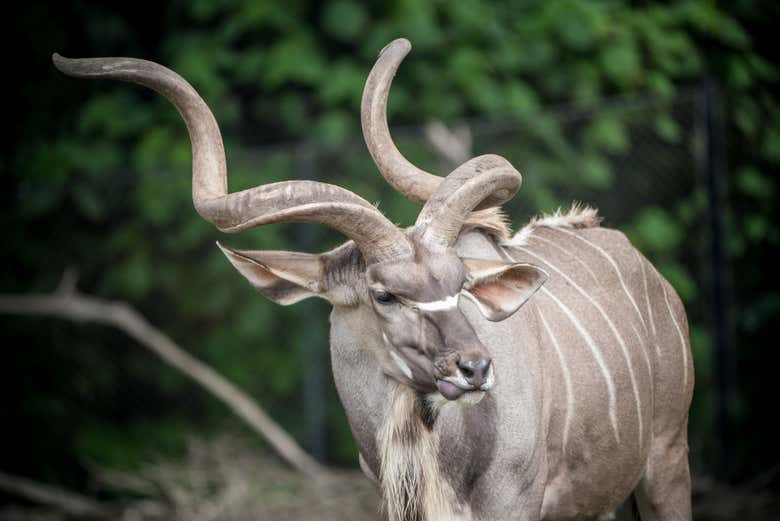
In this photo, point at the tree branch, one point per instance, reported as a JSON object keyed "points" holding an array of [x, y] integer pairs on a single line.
{"points": [[454, 146], [69, 304], [63, 500]]}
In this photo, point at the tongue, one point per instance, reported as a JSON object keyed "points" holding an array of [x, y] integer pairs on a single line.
{"points": [[449, 390]]}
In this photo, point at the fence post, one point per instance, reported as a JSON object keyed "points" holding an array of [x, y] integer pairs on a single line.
{"points": [[720, 310], [314, 341]]}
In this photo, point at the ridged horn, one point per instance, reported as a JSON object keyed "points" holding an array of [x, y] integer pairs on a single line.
{"points": [[290, 201], [479, 183], [414, 183]]}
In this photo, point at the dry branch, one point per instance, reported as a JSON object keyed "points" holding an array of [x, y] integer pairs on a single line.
{"points": [[454, 146], [69, 304], [64, 501]]}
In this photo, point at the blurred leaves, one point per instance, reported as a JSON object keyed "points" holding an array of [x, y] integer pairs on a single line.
{"points": [[295, 59], [344, 20], [608, 133], [657, 231]]}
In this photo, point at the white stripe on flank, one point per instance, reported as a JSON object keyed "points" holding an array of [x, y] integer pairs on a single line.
{"points": [[647, 301], [567, 252], [643, 347], [679, 332], [611, 325], [566, 382], [648, 363], [596, 354], [650, 380], [436, 305], [615, 266]]}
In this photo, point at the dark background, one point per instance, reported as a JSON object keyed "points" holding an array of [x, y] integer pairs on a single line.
{"points": [[664, 115]]}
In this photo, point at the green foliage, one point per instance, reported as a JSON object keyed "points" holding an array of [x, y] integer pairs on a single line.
{"points": [[99, 173], [656, 231]]}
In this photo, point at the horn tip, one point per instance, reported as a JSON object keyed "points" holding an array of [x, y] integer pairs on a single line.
{"points": [[63, 64], [401, 45]]}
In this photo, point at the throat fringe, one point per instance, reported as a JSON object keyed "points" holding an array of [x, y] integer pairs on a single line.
{"points": [[412, 486]]}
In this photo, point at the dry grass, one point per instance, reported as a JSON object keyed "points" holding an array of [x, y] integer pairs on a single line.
{"points": [[228, 480]]}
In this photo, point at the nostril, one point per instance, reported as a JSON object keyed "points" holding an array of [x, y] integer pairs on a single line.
{"points": [[474, 371], [483, 364]]}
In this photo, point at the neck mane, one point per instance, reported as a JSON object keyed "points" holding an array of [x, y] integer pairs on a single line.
{"points": [[413, 488]]}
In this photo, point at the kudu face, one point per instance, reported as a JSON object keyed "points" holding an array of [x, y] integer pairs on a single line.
{"points": [[412, 279], [430, 343], [415, 304], [422, 327]]}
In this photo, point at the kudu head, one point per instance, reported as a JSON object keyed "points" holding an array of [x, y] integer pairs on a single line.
{"points": [[411, 280]]}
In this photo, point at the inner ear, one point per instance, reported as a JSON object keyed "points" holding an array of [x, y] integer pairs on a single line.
{"points": [[499, 288], [285, 277]]}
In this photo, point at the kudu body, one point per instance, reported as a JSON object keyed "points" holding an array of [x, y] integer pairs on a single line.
{"points": [[545, 375]]}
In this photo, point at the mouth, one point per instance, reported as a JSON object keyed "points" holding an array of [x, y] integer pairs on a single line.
{"points": [[451, 391], [453, 387]]}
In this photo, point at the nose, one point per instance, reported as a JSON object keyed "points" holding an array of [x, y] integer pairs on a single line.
{"points": [[474, 371]]}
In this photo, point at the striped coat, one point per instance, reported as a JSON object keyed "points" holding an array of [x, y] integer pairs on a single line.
{"points": [[618, 366]]}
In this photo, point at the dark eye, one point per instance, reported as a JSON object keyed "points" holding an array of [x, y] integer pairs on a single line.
{"points": [[383, 297]]}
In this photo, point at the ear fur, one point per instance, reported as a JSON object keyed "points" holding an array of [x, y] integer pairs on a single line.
{"points": [[285, 277], [499, 288]]}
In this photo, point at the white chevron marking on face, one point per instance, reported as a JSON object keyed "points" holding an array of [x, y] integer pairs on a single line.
{"points": [[566, 381], [614, 330], [436, 305], [614, 266]]}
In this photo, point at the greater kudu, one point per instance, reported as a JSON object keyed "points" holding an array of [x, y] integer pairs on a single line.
{"points": [[463, 404]]}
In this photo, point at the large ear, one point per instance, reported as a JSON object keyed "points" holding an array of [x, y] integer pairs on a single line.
{"points": [[499, 288], [284, 277]]}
